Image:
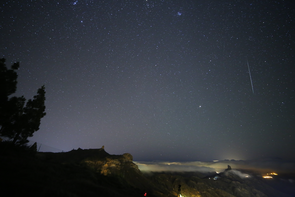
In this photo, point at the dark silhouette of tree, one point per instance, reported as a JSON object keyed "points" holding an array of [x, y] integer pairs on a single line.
{"points": [[18, 119]]}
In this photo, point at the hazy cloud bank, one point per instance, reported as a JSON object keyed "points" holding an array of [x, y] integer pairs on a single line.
{"points": [[219, 166]]}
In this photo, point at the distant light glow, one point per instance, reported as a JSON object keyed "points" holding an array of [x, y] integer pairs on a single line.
{"points": [[272, 173], [267, 177]]}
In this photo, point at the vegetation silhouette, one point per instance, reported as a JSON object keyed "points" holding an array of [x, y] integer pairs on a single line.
{"points": [[18, 119]]}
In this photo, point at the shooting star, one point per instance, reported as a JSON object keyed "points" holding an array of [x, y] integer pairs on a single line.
{"points": [[250, 77]]}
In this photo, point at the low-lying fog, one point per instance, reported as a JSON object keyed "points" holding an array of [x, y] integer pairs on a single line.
{"points": [[261, 166]]}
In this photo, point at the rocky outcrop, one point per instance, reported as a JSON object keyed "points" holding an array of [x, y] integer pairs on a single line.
{"points": [[117, 166], [96, 159], [112, 164], [122, 167]]}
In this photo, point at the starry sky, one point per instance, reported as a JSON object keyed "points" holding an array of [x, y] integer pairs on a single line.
{"points": [[164, 80]]}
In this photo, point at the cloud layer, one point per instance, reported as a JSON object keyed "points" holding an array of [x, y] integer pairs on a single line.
{"points": [[219, 166]]}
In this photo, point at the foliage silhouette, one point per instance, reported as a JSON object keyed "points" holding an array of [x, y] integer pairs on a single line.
{"points": [[18, 119]]}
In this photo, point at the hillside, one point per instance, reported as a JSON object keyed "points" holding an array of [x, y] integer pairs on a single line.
{"points": [[91, 172], [94, 172]]}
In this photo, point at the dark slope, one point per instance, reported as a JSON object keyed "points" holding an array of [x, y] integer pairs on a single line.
{"points": [[94, 172], [49, 174]]}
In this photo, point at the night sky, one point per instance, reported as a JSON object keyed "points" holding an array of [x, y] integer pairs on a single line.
{"points": [[160, 79]]}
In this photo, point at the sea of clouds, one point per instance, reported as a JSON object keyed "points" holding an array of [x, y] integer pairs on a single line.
{"points": [[262, 166]]}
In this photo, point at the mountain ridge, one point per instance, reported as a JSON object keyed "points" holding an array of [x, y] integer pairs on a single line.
{"points": [[94, 172]]}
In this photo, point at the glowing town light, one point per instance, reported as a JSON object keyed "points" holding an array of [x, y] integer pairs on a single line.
{"points": [[272, 173], [267, 177]]}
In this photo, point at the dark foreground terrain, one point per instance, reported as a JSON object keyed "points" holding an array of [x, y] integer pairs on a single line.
{"points": [[94, 172]]}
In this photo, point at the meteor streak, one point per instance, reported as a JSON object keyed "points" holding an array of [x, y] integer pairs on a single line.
{"points": [[250, 77]]}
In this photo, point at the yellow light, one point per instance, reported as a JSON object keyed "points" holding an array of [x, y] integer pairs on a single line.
{"points": [[272, 173], [267, 177]]}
